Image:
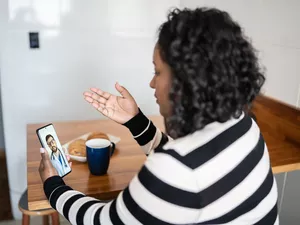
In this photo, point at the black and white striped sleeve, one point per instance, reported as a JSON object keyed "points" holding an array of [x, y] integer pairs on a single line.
{"points": [[149, 198], [145, 133]]}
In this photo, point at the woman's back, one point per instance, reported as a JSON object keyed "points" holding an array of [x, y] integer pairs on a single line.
{"points": [[223, 171]]}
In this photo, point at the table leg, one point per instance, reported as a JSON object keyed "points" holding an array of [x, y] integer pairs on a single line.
{"points": [[45, 220], [55, 218], [25, 219]]}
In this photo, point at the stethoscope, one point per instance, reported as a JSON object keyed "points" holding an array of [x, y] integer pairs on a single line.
{"points": [[52, 157]]}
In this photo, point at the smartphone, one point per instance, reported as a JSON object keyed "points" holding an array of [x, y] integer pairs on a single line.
{"points": [[50, 142]]}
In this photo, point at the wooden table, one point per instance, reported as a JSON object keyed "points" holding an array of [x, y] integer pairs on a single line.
{"points": [[279, 123], [125, 163], [280, 126]]}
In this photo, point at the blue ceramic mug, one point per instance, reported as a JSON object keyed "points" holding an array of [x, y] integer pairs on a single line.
{"points": [[98, 153]]}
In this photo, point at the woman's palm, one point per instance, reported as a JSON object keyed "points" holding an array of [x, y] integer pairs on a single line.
{"points": [[118, 108]]}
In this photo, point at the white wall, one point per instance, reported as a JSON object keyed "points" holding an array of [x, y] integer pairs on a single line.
{"points": [[2, 145], [3, 22], [82, 45], [274, 29]]}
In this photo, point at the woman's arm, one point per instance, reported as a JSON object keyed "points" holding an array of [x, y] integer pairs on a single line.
{"points": [[124, 110], [159, 194], [145, 133]]}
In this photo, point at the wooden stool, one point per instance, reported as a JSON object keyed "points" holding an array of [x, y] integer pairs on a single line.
{"points": [[23, 206]]}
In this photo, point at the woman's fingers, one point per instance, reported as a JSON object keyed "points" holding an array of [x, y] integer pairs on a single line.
{"points": [[98, 106], [101, 108], [123, 91], [96, 98], [87, 94], [101, 93], [99, 98], [90, 97]]}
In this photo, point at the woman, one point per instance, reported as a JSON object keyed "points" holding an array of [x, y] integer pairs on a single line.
{"points": [[214, 166]]}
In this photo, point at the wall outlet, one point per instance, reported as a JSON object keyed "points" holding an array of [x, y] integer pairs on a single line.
{"points": [[34, 41]]}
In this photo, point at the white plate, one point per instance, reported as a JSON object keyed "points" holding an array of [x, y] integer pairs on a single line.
{"points": [[112, 138]]}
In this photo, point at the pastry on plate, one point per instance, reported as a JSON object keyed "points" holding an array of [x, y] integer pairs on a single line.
{"points": [[95, 135], [77, 148]]}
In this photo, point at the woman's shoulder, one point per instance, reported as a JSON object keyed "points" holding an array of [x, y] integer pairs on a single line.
{"points": [[216, 134]]}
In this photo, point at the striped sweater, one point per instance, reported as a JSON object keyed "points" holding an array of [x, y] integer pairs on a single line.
{"points": [[218, 175]]}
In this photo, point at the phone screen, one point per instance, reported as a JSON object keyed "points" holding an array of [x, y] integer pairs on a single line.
{"points": [[51, 143]]}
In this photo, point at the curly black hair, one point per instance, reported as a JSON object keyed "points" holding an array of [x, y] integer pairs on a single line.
{"points": [[216, 74]]}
